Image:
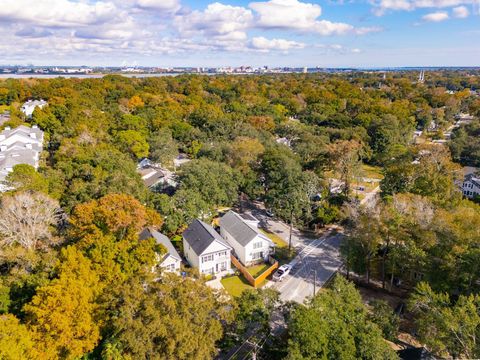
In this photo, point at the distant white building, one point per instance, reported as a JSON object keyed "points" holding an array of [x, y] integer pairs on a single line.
{"points": [[30, 106], [21, 145], [205, 249], [241, 232], [471, 186]]}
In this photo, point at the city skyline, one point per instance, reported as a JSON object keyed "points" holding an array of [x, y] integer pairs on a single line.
{"points": [[293, 33]]}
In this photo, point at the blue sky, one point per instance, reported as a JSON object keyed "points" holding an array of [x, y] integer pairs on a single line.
{"points": [[167, 33]]}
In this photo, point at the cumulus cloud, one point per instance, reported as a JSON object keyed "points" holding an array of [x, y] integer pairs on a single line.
{"points": [[56, 13], [436, 16], [161, 5], [263, 44], [460, 12], [285, 13], [296, 15], [222, 22]]}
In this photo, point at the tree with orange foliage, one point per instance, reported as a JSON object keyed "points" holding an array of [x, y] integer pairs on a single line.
{"points": [[107, 231], [135, 102]]}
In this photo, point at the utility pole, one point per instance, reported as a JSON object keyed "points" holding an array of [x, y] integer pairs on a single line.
{"points": [[290, 236]]}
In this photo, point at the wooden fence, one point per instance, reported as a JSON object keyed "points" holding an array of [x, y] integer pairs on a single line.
{"points": [[255, 282]]}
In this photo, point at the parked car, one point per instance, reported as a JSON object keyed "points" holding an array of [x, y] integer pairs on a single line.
{"points": [[281, 272], [269, 213]]}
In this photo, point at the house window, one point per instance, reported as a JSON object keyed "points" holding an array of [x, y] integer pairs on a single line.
{"points": [[170, 267], [258, 245], [207, 258], [257, 255], [208, 271], [222, 253]]}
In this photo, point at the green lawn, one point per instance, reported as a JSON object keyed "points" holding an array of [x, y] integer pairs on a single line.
{"points": [[235, 285], [279, 242], [374, 172], [282, 254], [257, 270]]}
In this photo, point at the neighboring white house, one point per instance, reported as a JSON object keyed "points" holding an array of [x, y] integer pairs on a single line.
{"points": [[21, 145], [205, 249], [242, 233], [471, 186], [171, 260], [30, 105]]}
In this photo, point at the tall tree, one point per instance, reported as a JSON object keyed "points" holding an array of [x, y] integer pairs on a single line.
{"points": [[28, 220], [62, 313], [448, 329], [175, 318], [345, 157], [335, 325], [15, 339]]}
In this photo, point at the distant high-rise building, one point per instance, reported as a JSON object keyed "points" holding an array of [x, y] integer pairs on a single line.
{"points": [[421, 77]]}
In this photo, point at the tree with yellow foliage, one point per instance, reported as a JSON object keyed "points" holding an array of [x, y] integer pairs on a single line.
{"points": [[61, 315], [15, 339]]}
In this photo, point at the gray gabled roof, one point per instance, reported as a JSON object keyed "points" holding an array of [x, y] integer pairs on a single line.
{"points": [[160, 239], [474, 179], [240, 230], [200, 236]]}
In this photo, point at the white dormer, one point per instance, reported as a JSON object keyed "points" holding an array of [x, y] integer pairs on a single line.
{"points": [[8, 128], [33, 135], [34, 126], [28, 146], [3, 148]]}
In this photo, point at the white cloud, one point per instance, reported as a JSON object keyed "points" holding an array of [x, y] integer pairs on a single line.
{"points": [[161, 5], [223, 22], [56, 13], [436, 16], [292, 14], [263, 44], [296, 15], [285, 13], [460, 12]]}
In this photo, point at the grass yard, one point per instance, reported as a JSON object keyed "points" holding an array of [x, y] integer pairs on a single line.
{"points": [[257, 270], [279, 242], [374, 172], [235, 285], [282, 254]]}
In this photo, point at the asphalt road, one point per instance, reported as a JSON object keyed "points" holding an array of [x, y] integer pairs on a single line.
{"points": [[320, 259], [320, 255]]}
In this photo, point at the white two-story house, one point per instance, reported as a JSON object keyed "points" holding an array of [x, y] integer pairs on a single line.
{"points": [[170, 260], [205, 249], [249, 244], [471, 186]]}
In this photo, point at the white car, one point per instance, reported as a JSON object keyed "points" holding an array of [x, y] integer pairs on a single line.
{"points": [[281, 272]]}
